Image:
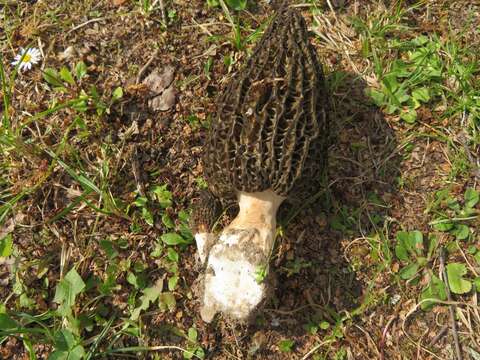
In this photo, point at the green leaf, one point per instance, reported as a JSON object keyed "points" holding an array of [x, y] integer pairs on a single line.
{"points": [[183, 216], [401, 252], [391, 109], [213, 3], [410, 242], [64, 340], [67, 290], [186, 233], [432, 245], [200, 353], [67, 347], [80, 70], [172, 255], [443, 226], [26, 302], [157, 252], [377, 96], [434, 290], [141, 201], [458, 285], [237, 4], [420, 40], [261, 273], [150, 295], [477, 258], [7, 323], [286, 345], [6, 246], [192, 334], [163, 196], [409, 271], [400, 69], [401, 95], [409, 116], [476, 282], [324, 325], [471, 197], [172, 282], [172, 239], [117, 94], [66, 75], [167, 301], [132, 279], [460, 231], [147, 216], [107, 246], [167, 221], [390, 83], [52, 77], [472, 250], [421, 94]]}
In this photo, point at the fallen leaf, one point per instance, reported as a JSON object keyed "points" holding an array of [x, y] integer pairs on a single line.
{"points": [[164, 101], [161, 86]]}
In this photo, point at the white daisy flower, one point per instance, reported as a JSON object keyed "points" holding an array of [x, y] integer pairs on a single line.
{"points": [[27, 58]]}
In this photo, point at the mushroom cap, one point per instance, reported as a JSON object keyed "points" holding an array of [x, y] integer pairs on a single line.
{"points": [[271, 126]]}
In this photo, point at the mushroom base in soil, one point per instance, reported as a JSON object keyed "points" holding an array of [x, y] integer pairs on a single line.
{"points": [[231, 283], [268, 141]]}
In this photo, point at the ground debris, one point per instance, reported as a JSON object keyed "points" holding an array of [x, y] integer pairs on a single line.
{"points": [[162, 89]]}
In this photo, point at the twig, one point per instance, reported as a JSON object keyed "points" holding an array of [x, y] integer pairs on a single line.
{"points": [[162, 11], [440, 334], [148, 349], [288, 312], [136, 172], [202, 26], [369, 339], [451, 307], [9, 3], [85, 23], [384, 335], [145, 67], [227, 14], [40, 47], [435, 301], [314, 349], [332, 10], [197, 24]]}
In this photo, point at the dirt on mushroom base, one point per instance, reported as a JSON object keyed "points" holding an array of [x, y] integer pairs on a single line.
{"points": [[326, 269]]}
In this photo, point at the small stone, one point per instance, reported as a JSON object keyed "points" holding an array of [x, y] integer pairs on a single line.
{"points": [[68, 53], [395, 299]]}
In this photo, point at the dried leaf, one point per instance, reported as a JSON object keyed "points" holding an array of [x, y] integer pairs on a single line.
{"points": [[161, 86]]}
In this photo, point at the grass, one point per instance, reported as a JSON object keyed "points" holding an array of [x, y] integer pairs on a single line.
{"points": [[96, 257]]}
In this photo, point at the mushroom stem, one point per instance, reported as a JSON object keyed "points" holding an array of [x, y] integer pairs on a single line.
{"points": [[258, 210], [242, 249]]}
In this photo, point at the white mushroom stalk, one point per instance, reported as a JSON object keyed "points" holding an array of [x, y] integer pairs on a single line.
{"points": [[243, 248]]}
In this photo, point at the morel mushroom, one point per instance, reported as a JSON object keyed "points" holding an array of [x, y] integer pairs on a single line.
{"points": [[268, 142]]}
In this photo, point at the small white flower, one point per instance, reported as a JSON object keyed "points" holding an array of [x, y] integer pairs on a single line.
{"points": [[27, 58]]}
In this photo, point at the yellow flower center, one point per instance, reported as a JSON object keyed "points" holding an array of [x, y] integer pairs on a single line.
{"points": [[27, 58]]}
